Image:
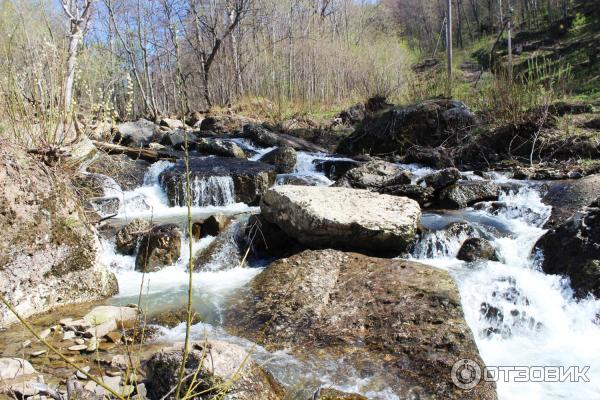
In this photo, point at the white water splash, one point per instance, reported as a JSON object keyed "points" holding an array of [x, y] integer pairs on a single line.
{"points": [[521, 316]]}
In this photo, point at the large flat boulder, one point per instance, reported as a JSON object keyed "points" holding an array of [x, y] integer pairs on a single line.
{"points": [[218, 181], [322, 217], [400, 324], [49, 253]]}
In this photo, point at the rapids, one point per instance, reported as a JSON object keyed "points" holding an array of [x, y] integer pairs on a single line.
{"points": [[519, 315]]}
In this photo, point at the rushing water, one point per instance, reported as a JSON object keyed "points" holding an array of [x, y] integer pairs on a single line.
{"points": [[519, 315]]}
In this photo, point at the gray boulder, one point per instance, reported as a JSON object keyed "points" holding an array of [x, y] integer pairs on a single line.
{"points": [[340, 217], [441, 179], [49, 255], [573, 250], [159, 247], [219, 147], [474, 249], [215, 363], [135, 133], [425, 196], [283, 158], [402, 319], [466, 193], [375, 175], [127, 238]]}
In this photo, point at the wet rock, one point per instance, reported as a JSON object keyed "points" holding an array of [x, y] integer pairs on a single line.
{"points": [[250, 180], [402, 319], [128, 173], [460, 228], [225, 362], [218, 147], [334, 394], [375, 175], [266, 239], [176, 139], [573, 249], [106, 206], [127, 238], [50, 254], [172, 318], [340, 217], [211, 226], [436, 157], [158, 248], [425, 196], [335, 169], [283, 158], [474, 249], [466, 193], [298, 180], [568, 197], [135, 133], [429, 123], [11, 368], [222, 254], [441, 179], [264, 137]]}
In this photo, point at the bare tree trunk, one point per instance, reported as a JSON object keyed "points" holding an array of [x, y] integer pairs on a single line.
{"points": [[449, 46], [78, 19]]}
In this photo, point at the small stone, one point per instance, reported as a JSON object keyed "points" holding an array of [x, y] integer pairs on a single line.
{"points": [[127, 390], [79, 341], [38, 353], [81, 375], [78, 347], [45, 333], [112, 382], [106, 346], [90, 386], [114, 337], [65, 321], [114, 374], [69, 335], [119, 361], [92, 345], [25, 344]]}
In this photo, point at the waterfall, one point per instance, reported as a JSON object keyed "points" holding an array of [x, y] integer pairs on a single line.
{"points": [[208, 191]]}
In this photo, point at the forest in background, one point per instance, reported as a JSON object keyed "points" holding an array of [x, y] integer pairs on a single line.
{"points": [[130, 58]]}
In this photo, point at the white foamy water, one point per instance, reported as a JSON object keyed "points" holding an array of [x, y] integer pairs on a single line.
{"points": [[531, 318]]}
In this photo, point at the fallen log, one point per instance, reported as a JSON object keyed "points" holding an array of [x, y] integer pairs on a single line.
{"points": [[135, 152]]}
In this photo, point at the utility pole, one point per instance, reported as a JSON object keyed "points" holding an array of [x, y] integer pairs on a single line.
{"points": [[449, 46]]}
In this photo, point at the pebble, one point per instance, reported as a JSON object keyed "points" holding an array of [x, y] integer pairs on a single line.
{"points": [[78, 347], [79, 341], [26, 343], [114, 374], [92, 345], [81, 375], [112, 382], [114, 337], [68, 335], [90, 386], [38, 353], [45, 333]]}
